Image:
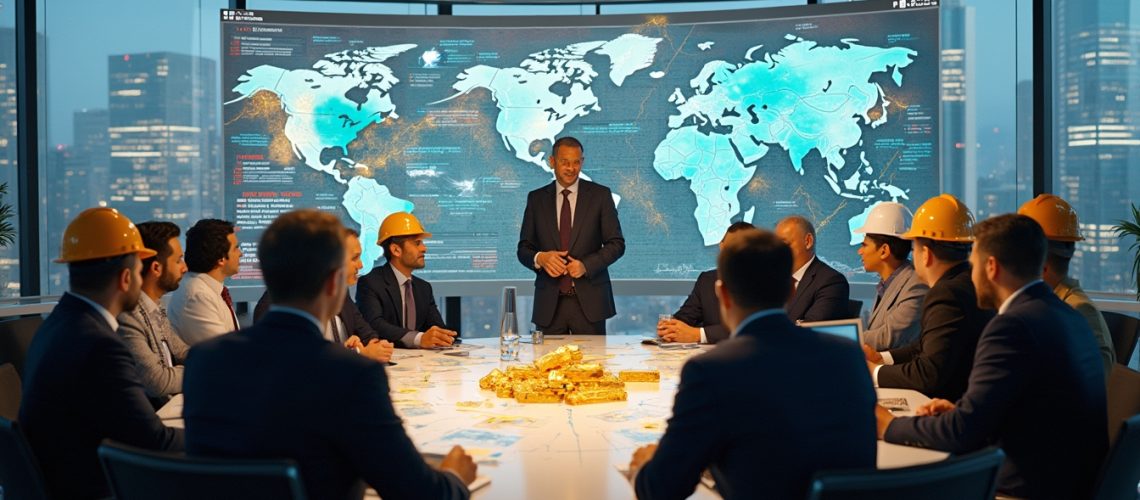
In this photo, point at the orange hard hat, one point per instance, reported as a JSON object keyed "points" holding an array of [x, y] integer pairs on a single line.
{"points": [[401, 224], [99, 233], [942, 218], [1055, 216]]}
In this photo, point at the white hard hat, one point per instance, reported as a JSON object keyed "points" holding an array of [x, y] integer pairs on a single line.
{"points": [[887, 218]]}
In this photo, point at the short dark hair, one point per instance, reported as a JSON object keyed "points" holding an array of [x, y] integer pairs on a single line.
{"points": [[756, 269], [899, 247], [1017, 242], [946, 251], [156, 235], [802, 222], [395, 240], [207, 243], [297, 253], [739, 225], [93, 276], [566, 141]]}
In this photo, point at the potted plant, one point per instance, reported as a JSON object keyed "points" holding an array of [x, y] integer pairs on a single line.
{"points": [[1131, 228]]}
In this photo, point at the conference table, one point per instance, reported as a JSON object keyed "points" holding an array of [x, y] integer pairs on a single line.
{"points": [[552, 450]]}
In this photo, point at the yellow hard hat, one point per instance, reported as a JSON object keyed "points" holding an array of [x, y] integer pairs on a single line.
{"points": [[1055, 216], [942, 218], [400, 224], [99, 233]]}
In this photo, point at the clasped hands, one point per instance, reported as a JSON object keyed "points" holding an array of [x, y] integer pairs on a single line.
{"points": [[558, 263], [379, 350]]}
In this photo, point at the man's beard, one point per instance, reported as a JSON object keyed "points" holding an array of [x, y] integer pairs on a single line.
{"points": [[168, 282]]}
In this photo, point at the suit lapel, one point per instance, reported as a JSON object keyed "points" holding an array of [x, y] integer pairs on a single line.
{"points": [[890, 295], [583, 202], [548, 215], [392, 286], [802, 288]]}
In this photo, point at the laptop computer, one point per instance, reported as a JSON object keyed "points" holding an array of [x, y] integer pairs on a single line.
{"points": [[851, 329]]}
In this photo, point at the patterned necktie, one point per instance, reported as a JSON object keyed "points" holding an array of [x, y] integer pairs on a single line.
{"points": [[229, 303], [565, 284], [409, 307]]}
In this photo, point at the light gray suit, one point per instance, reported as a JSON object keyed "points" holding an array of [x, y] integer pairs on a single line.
{"points": [[143, 330], [895, 319]]}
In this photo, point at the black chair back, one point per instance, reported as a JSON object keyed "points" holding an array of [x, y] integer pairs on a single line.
{"points": [[19, 475], [854, 308], [10, 391], [1123, 329], [15, 338], [1123, 398], [1121, 470], [137, 474], [966, 477]]}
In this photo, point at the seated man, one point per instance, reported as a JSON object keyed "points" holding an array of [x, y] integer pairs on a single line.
{"points": [[819, 293], [399, 306], [698, 319], [279, 389], [348, 327], [80, 381], [1037, 386], [159, 353], [938, 363], [202, 307], [900, 293], [723, 413]]}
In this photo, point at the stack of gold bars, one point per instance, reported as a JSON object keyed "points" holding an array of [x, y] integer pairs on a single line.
{"points": [[561, 375]]}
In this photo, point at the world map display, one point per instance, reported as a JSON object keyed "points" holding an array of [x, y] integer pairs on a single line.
{"points": [[693, 122]]}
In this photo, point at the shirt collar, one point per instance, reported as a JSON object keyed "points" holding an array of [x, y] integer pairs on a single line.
{"points": [[147, 304], [573, 187], [214, 284], [755, 316], [304, 314], [887, 282], [799, 274], [1008, 300], [400, 278], [107, 316]]}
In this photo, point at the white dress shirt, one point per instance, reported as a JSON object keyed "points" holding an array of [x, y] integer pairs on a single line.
{"points": [[197, 311], [411, 338], [798, 276]]}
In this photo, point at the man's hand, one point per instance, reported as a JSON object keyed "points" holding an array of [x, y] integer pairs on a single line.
{"points": [[934, 407], [872, 355], [437, 337], [379, 350], [354, 343], [640, 457], [553, 263], [672, 330], [883, 420], [575, 267], [459, 463]]}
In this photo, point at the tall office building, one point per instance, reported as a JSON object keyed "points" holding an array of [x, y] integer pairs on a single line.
{"points": [[1097, 115], [959, 156], [163, 136], [10, 256]]}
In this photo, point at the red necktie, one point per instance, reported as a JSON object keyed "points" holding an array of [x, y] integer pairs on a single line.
{"points": [[565, 284], [230, 303]]}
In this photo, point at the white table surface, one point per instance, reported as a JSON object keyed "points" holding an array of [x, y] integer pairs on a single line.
{"points": [[551, 451]]}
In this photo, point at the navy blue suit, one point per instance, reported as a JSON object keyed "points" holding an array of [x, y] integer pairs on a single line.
{"points": [[279, 390], [761, 432], [82, 387], [702, 309], [1037, 391], [380, 299], [821, 295]]}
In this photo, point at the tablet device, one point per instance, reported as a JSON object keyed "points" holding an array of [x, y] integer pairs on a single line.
{"points": [[850, 329]]}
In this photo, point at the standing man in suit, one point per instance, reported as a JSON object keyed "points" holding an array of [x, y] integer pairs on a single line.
{"points": [[570, 237], [819, 293], [401, 307], [348, 327], [719, 408], [159, 353], [938, 364], [1036, 388], [698, 319], [202, 307], [279, 389], [1059, 221], [81, 385], [900, 293]]}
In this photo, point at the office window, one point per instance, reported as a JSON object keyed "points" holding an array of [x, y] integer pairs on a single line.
{"points": [[10, 254], [1096, 121], [343, 7]]}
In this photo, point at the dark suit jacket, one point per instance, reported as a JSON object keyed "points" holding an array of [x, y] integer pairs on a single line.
{"points": [[1036, 390], [821, 296], [702, 309], [378, 296], [279, 390], [81, 387], [595, 239], [354, 322], [938, 363], [738, 414]]}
